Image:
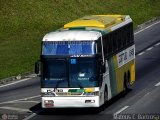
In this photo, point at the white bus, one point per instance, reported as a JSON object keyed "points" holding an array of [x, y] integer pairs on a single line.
{"points": [[87, 62]]}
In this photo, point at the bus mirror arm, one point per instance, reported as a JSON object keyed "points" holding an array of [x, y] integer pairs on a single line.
{"points": [[37, 67], [103, 66]]}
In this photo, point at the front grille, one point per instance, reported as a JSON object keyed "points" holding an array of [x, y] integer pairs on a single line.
{"points": [[69, 93]]}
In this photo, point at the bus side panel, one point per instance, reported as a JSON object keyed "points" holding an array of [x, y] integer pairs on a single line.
{"points": [[119, 75], [125, 67], [117, 72], [116, 75], [120, 72], [112, 75]]}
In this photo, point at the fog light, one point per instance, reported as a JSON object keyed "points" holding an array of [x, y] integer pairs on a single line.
{"points": [[89, 101]]}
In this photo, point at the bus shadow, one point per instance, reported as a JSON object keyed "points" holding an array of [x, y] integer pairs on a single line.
{"points": [[75, 111]]}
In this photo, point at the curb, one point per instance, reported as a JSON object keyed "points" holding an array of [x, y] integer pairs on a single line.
{"points": [[145, 24], [18, 77]]}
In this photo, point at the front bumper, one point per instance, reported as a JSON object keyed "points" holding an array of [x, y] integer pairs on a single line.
{"points": [[71, 102]]}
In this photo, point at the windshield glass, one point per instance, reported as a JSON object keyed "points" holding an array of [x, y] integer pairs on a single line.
{"points": [[68, 47], [83, 72], [72, 73], [54, 73]]}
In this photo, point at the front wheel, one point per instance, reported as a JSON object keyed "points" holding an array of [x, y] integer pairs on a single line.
{"points": [[126, 84]]}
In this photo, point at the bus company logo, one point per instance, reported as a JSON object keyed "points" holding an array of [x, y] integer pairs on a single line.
{"points": [[126, 56], [4, 117], [54, 90]]}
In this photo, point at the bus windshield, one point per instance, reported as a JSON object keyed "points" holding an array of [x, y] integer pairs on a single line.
{"points": [[83, 72], [71, 73], [54, 73], [68, 47]]}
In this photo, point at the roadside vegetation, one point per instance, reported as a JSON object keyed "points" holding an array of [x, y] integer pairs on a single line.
{"points": [[23, 23]]}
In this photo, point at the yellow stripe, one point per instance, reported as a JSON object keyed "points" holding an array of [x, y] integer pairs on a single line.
{"points": [[133, 72], [89, 90], [120, 72]]}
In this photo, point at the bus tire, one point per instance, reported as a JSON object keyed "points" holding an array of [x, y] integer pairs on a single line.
{"points": [[125, 89], [126, 86], [128, 80]]}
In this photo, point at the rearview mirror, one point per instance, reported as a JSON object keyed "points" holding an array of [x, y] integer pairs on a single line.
{"points": [[38, 67]]}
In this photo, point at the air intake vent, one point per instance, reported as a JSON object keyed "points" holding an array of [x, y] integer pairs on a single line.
{"points": [[99, 21], [84, 23]]}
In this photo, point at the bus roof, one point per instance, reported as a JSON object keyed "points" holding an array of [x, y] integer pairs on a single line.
{"points": [[88, 28], [100, 22], [71, 35]]}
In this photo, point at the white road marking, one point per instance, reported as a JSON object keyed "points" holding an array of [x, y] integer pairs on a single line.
{"points": [[15, 82], [147, 94], [20, 99], [122, 109], [30, 101], [157, 44], [29, 117], [147, 27], [158, 84], [15, 109], [141, 53], [149, 48]]}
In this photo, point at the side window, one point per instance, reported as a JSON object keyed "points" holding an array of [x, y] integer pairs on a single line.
{"points": [[119, 39], [128, 35], [115, 45], [99, 48], [105, 45], [116, 40], [110, 44], [131, 33], [124, 37]]}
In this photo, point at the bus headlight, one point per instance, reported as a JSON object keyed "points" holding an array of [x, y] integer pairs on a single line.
{"points": [[48, 103]]}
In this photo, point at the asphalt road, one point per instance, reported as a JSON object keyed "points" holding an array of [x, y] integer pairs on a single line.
{"points": [[23, 99]]}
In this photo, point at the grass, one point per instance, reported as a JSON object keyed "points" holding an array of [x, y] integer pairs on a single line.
{"points": [[23, 23]]}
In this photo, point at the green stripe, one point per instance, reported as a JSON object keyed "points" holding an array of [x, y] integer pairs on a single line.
{"points": [[76, 90], [112, 75]]}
